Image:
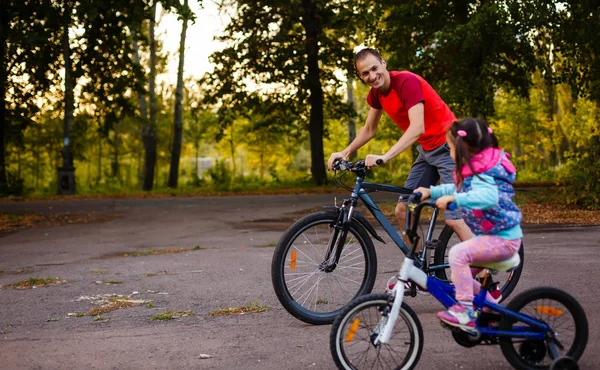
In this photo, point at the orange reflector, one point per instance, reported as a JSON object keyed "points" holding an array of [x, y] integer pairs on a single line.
{"points": [[549, 310], [352, 330], [293, 263]]}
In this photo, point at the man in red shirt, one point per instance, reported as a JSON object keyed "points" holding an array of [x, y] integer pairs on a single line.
{"points": [[423, 116]]}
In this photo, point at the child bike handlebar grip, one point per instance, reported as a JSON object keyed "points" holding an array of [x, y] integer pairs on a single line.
{"points": [[379, 162], [452, 206]]}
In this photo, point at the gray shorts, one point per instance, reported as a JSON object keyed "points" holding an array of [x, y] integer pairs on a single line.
{"points": [[430, 167]]}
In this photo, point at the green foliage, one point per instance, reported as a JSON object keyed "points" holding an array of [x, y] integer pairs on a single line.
{"points": [[465, 49], [581, 176], [530, 67], [13, 186], [220, 176]]}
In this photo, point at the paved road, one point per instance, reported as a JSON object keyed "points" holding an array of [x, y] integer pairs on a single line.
{"points": [[232, 268]]}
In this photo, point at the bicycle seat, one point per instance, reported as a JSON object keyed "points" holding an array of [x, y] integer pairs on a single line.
{"points": [[505, 266]]}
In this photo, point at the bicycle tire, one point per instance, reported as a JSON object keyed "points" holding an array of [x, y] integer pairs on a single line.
{"points": [[363, 316], [342, 284], [532, 354], [440, 257]]}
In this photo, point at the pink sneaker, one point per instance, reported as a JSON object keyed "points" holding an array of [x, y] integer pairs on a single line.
{"points": [[496, 295], [459, 316], [391, 283]]}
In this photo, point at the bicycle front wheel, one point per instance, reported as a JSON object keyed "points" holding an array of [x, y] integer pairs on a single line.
{"points": [[507, 281], [354, 331], [304, 284]]}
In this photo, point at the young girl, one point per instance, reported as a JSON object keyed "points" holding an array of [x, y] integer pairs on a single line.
{"points": [[483, 191]]}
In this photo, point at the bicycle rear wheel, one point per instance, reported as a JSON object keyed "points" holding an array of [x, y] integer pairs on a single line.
{"points": [[355, 329], [507, 281], [303, 285], [556, 308]]}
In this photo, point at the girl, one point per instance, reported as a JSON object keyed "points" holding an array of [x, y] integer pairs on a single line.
{"points": [[483, 191]]}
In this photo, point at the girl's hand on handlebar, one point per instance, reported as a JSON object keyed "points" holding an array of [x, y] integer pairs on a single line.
{"points": [[442, 202], [425, 192], [373, 160]]}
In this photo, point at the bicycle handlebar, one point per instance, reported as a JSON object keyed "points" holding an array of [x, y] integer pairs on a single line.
{"points": [[450, 207], [341, 164]]}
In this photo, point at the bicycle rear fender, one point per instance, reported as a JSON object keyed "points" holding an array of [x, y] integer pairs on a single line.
{"points": [[361, 220]]}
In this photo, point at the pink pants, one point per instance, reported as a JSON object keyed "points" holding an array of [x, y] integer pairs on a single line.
{"points": [[481, 249]]}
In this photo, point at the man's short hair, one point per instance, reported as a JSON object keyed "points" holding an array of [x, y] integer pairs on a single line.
{"points": [[366, 52]]}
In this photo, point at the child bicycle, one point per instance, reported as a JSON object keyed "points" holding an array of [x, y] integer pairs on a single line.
{"points": [[326, 259], [541, 328]]}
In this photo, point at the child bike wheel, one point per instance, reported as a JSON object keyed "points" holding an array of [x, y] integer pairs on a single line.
{"points": [[355, 329], [559, 310], [507, 281], [307, 285]]}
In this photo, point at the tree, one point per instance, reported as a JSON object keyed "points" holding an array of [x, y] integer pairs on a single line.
{"points": [[294, 48], [466, 49], [577, 46], [29, 57], [185, 14]]}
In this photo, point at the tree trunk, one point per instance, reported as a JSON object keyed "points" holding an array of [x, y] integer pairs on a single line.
{"points": [[232, 150], [69, 99], [115, 162], [36, 157], [66, 174], [99, 176], [143, 108], [4, 29], [149, 128], [177, 125], [352, 119], [197, 151], [313, 32]]}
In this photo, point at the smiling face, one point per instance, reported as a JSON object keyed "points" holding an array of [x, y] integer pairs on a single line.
{"points": [[373, 71]]}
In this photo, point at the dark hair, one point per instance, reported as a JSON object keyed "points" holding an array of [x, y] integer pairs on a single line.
{"points": [[366, 52], [478, 137]]}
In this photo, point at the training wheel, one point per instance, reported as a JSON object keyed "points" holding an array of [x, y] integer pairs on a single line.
{"points": [[564, 363]]}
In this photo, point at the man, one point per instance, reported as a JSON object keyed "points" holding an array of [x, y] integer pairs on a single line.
{"points": [[423, 116]]}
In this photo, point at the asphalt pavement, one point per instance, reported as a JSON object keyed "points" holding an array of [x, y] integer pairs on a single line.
{"points": [[228, 242]]}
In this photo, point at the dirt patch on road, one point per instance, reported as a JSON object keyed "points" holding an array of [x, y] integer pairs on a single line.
{"points": [[10, 223]]}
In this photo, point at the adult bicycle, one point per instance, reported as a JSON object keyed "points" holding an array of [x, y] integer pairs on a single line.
{"points": [[327, 258]]}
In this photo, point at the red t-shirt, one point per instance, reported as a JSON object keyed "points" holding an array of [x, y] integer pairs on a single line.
{"points": [[406, 90]]}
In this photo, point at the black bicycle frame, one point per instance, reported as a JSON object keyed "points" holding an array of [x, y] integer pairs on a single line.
{"points": [[360, 192]]}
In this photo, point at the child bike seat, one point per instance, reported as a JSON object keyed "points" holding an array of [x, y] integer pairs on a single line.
{"points": [[505, 266]]}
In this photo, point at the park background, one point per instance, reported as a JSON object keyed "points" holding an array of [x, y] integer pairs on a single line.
{"points": [[145, 97]]}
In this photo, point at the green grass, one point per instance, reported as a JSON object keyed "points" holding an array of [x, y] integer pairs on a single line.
{"points": [[111, 282], [170, 315], [34, 282], [251, 307]]}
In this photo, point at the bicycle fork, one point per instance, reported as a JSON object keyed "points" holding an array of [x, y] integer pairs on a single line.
{"points": [[408, 272], [338, 239]]}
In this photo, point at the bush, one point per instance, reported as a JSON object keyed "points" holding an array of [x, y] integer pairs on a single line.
{"points": [[14, 186], [220, 176], [580, 179]]}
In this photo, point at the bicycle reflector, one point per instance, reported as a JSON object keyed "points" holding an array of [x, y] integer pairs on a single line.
{"points": [[352, 330], [551, 311], [293, 261]]}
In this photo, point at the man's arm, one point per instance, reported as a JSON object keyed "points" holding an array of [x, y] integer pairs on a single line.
{"points": [[416, 115], [366, 133]]}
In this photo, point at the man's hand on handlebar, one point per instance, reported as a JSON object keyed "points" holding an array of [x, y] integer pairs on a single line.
{"points": [[373, 160], [425, 192], [333, 157]]}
